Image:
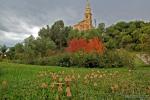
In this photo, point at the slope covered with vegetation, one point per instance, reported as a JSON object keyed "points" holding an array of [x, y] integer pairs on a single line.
{"points": [[58, 40]]}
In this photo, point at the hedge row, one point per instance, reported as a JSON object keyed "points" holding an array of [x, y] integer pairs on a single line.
{"points": [[109, 59]]}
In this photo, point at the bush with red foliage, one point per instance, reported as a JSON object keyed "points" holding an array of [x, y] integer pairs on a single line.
{"points": [[92, 45]]}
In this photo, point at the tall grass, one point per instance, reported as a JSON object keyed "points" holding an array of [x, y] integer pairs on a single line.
{"points": [[19, 82]]}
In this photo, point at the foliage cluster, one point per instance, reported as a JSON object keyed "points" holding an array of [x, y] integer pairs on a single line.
{"points": [[132, 35], [3, 50], [89, 46], [109, 59], [49, 41]]}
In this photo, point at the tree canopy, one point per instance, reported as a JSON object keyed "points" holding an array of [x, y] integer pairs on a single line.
{"points": [[134, 35]]}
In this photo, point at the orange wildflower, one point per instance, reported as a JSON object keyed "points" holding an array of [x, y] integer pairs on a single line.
{"points": [[68, 92], [44, 85]]}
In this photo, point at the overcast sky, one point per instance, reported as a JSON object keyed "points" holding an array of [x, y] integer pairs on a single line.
{"points": [[21, 18]]}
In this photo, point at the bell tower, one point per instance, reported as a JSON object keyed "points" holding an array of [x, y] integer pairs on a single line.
{"points": [[88, 15], [86, 23]]}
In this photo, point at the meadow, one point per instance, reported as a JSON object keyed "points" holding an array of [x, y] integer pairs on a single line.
{"points": [[32, 82]]}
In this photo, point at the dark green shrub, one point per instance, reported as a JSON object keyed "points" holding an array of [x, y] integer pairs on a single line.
{"points": [[120, 58], [127, 58], [50, 61], [24, 61], [65, 61], [78, 58], [42, 61], [117, 58], [53, 60], [90, 60], [91, 63], [110, 59], [31, 61], [138, 47]]}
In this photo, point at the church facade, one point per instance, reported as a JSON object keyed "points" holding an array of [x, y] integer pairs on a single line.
{"points": [[86, 23]]}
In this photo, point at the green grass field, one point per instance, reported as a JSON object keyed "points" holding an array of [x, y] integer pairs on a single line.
{"points": [[28, 82]]}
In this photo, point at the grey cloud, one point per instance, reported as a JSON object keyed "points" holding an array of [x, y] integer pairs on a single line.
{"points": [[23, 17]]}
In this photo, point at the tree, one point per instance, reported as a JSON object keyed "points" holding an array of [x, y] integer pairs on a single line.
{"points": [[121, 26], [19, 48], [126, 40], [3, 51], [101, 28], [148, 44], [111, 44], [29, 49], [92, 33], [59, 33], [45, 32], [145, 40], [127, 35], [43, 45], [11, 53], [75, 34], [19, 51]]}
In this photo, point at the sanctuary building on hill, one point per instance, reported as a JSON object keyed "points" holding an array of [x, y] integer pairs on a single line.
{"points": [[86, 23]]}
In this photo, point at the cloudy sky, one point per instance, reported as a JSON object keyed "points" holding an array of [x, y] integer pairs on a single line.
{"points": [[21, 18]]}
